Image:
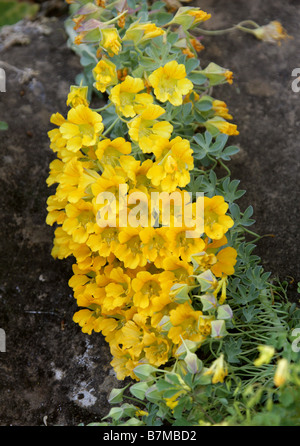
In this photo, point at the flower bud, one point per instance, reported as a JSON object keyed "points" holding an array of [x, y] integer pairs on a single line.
{"points": [[207, 281], [142, 32], [218, 329], [189, 17], [116, 395], [273, 32], [77, 96], [180, 293], [225, 312], [217, 75], [194, 364], [281, 373], [219, 124], [208, 302]]}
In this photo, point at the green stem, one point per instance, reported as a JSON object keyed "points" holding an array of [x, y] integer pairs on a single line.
{"points": [[249, 22], [200, 407], [124, 120], [225, 167], [103, 108], [126, 397], [110, 127], [239, 26], [251, 232], [138, 50], [115, 19], [216, 32], [213, 160]]}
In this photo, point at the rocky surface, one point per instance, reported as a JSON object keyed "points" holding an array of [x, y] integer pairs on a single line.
{"points": [[50, 369], [51, 372]]}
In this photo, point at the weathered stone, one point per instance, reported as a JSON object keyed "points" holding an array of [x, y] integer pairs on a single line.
{"points": [[48, 362]]}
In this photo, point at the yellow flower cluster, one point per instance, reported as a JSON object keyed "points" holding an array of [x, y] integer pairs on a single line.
{"points": [[128, 280], [123, 275]]}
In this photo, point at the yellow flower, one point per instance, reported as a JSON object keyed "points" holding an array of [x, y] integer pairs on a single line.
{"points": [[107, 326], [129, 249], [61, 244], [266, 354], [173, 400], [216, 223], [132, 338], [56, 210], [77, 96], [181, 269], [174, 160], [183, 246], [189, 54], [152, 288], [109, 181], [273, 32], [155, 244], [127, 98], [199, 15], [221, 125], [218, 369], [141, 32], [122, 362], [203, 261], [108, 200], [190, 17], [109, 152], [118, 291], [111, 41], [69, 182], [105, 75], [282, 372], [80, 220], [85, 319], [225, 261], [82, 128], [147, 131], [56, 169], [185, 324], [220, 108], [59, 144], [141, 413], [104, 241], [170, 83], [197, 45], [136, 172], [157, 349]]}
